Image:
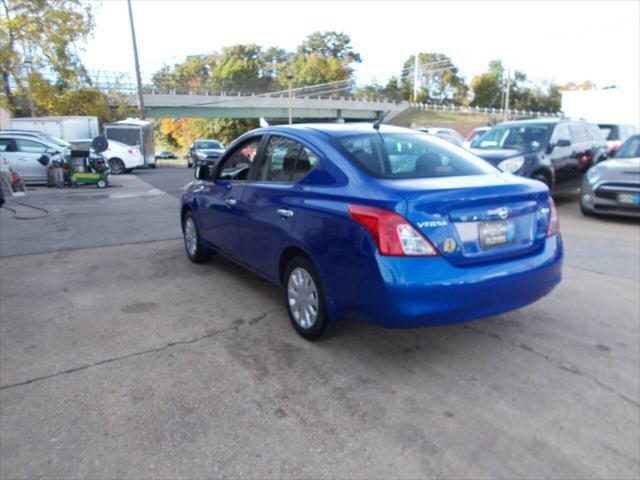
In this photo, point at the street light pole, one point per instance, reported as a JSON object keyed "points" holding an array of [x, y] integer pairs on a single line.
{"points": [[137, 63], [290, 78]]}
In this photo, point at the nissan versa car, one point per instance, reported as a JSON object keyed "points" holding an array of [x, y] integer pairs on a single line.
{"points": [[613, 186], [374, 223], [555, 152]]}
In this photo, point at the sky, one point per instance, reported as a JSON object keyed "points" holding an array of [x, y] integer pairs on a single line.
{"points": [[549, 40]]}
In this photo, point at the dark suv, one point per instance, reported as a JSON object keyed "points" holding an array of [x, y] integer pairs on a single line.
{"points": [[556, 152]]}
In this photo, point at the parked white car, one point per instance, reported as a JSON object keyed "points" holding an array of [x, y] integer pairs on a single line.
{"points": [[122, 158], [448, 134], [28, 155]]}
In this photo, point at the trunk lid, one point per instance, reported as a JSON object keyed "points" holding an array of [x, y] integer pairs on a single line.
{"points": [[478, 219]]}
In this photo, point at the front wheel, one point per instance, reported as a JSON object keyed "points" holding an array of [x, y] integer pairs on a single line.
{"points": [[101, 183], [304, 299], [192, 241]]}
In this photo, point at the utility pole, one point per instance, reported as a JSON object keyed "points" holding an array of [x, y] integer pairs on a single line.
{"points": [[290, 78], [137, 62], [415, 78], [506, 96]]}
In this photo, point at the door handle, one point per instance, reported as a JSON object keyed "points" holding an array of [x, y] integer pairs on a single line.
{"points": [[284, 213], [231, 201]]}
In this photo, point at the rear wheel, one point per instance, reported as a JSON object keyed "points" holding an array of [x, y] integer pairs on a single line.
{"points": [[192, 240], [117, 166], [304, 299]]}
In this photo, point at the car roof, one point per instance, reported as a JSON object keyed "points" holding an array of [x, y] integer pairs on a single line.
{"points": [[336, 129]]}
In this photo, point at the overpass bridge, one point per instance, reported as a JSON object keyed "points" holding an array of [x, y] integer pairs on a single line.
{"points": [[159, 105]]}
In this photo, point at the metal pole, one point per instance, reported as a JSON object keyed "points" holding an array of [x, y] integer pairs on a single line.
{"points": [[506, 96], [290, 105], [290, 78], [415, 78], [137, 63]]}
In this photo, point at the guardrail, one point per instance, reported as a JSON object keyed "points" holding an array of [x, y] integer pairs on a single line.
{"points": [[489, 110]]}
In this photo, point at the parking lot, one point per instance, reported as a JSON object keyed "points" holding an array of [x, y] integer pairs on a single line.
{"points": [[120, 358]]}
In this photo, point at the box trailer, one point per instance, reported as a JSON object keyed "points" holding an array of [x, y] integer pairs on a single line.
{"points": [[67, 128], [135, 133]]}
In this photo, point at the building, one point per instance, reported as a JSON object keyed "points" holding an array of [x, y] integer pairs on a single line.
{"points": [[609, 105], [5, 118]]}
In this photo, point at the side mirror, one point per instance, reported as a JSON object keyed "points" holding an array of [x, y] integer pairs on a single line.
{"points": [[203, 172], [197, 173], [563, 142], [43, 160]]}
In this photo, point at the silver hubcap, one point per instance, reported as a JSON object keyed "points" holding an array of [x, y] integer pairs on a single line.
{"points": [[302, 295], [190, 236]]}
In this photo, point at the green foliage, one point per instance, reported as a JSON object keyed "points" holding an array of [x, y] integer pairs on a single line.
{"points": [[330, 45], [42, 34]]}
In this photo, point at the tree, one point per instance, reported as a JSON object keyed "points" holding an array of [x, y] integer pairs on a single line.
{"points": [[439, 79], [488, 87], [42, 34], [330, 44]]}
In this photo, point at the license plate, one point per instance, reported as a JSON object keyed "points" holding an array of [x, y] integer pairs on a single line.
{"points": [[629, 198], [495, 234]]}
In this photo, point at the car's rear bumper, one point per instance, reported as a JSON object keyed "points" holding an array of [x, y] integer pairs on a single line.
{"points": [[418, 292]]}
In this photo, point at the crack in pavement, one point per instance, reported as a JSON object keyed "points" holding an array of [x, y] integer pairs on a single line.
{"points": [[562, 365], [235, 326]]}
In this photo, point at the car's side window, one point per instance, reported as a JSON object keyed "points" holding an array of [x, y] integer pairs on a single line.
{"points": [[306, 161], [578, 133], [29, 146], [561, 133], [6, 145], [286, 161], [280, 159], [238, 164]]}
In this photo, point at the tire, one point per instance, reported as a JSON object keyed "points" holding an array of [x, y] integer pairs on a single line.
{"points": [[153, 165], [102, 183], [585, 211], [302, 282], [193, 245], [189, 164], [117, 166], [542, 178]]}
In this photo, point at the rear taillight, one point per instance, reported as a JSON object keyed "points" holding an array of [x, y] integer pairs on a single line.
{"points": [[554, 221], [393, 234]]}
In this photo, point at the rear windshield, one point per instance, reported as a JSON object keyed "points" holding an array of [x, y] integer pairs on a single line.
{"points": [[410, 155], [610, 132]]}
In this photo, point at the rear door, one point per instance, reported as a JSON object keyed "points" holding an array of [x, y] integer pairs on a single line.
{"points": [[218, 216], [270, 201]]}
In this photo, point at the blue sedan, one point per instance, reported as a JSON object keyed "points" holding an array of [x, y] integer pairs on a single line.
{"points": [[374, 223]]}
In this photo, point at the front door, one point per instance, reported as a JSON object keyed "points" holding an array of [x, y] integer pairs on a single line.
{"points": [[562, 156], [219, 213]]}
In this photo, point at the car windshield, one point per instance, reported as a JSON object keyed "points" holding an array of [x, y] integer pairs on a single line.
{"points": [[208, 145], [610, 132], [526, 137], [55, 140], [630, 148], [410, 155]]}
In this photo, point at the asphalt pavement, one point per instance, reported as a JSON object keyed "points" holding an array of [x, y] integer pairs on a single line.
{"points": [[119, 359]]}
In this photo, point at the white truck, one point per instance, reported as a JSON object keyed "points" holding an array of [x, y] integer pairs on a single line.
{"points": [[67, 128]]}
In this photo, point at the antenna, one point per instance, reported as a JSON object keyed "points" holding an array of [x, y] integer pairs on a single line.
{"points": [[376, 125]]}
